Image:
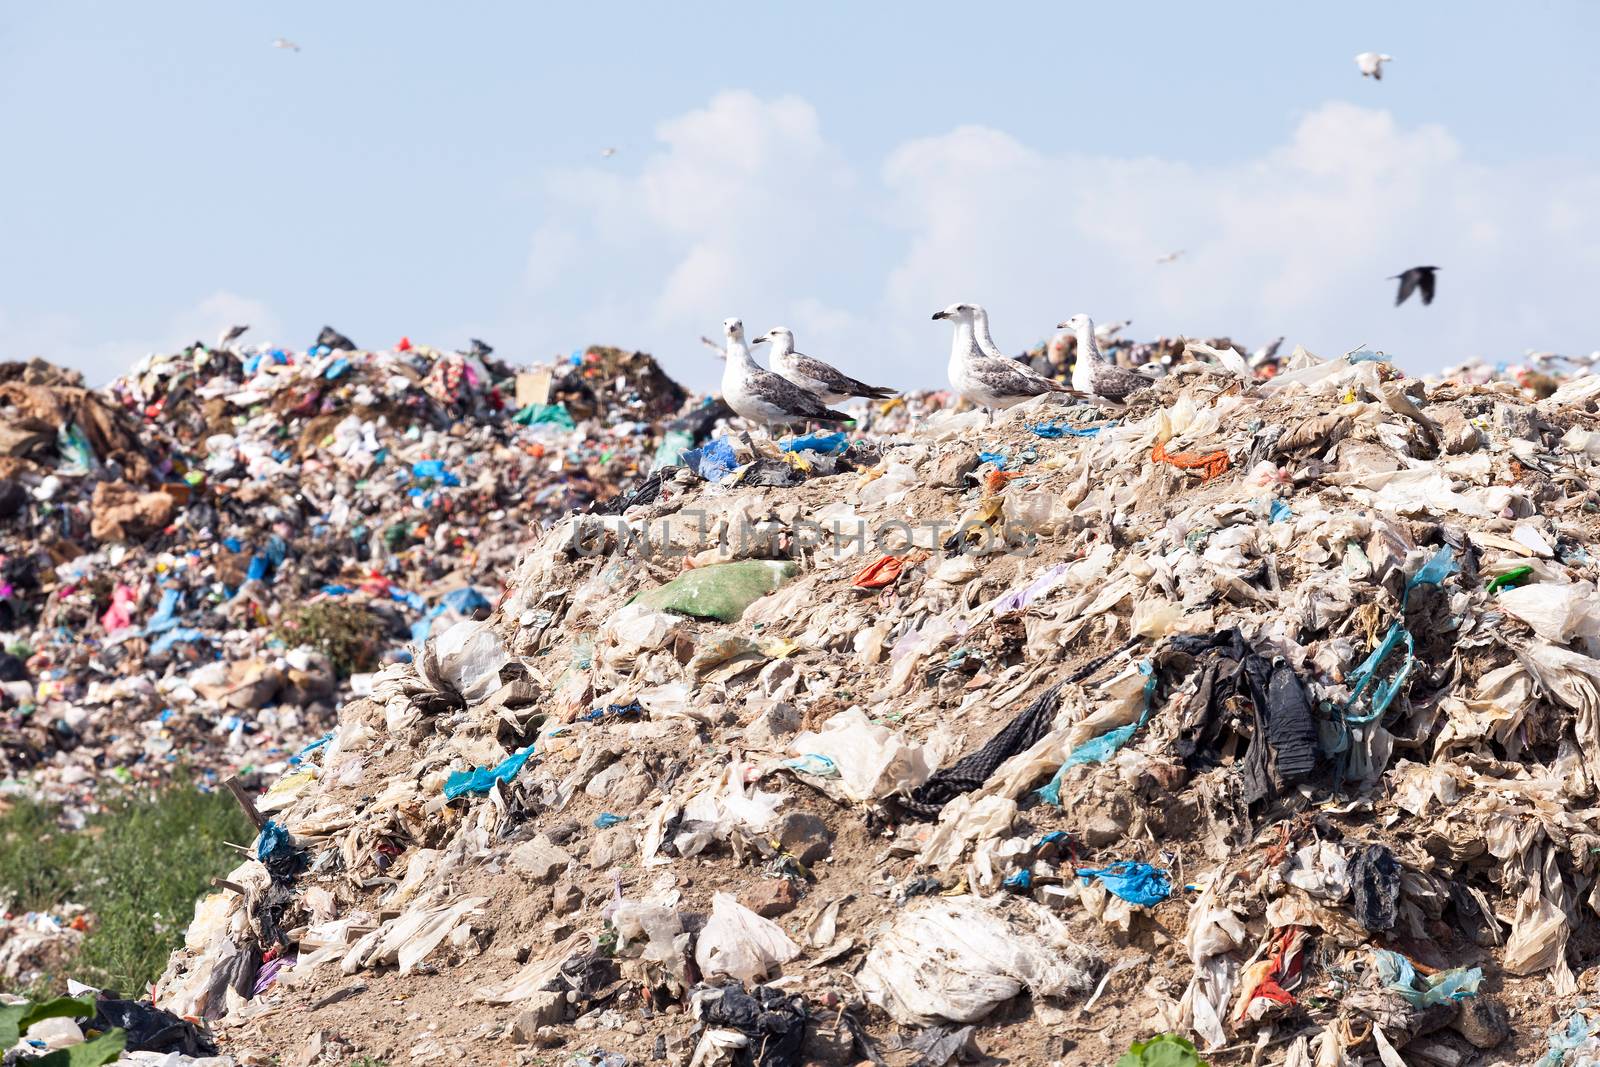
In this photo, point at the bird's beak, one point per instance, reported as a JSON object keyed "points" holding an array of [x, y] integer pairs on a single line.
{"points": [[1063, 325], [941, 314], [763, 339]]}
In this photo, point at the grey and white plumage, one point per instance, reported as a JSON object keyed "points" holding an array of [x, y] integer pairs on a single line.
{"points": [[285, 44], [827, 382], [761, 396], [231, 334], [1096, 376], [980, 373], [1371, 64]]}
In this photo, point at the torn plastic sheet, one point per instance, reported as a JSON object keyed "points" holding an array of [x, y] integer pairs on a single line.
{"points": [[1102, 748], [1137, 883], [1441, 987], [958, 958], [1436, 570], [480, 780]]}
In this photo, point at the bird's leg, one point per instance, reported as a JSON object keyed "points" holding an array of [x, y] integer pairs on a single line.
{"points": [[989, 412]]}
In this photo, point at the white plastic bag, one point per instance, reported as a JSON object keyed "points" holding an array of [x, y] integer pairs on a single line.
{"points": [[958, 958], [470, 657], [738, 942], [873, 761]]}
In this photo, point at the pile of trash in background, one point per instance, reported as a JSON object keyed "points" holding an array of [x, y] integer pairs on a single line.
{"points": [[1259, 715], [202, 561]]}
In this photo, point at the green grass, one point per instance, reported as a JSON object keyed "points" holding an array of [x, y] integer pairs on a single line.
{"points": [[138, 867]]}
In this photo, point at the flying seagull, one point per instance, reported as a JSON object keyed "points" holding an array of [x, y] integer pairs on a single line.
{"points": [[831, 385], [286, 44], [1170, 257], [1371, 64], [761, 396], [1107, 332], [979, 372], [1414, 279], [1093, 374], [607, 153], [230, 335]]}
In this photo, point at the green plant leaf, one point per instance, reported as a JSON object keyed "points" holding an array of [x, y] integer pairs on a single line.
{"points": [[1166, 1050], [101, 1050], [16, 1018]]}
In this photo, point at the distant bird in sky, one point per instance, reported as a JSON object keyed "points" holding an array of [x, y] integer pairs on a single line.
{"points": [[1170, 257], [1106, 332], [231, 334], [607, 153], [831, 385], [1412, 280], [285, 44], [1371, 64]]}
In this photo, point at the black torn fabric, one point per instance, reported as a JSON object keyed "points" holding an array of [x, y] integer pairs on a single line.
{"points": [[972, 770], [1375, 888], [1242, 691], [774, 1022]]}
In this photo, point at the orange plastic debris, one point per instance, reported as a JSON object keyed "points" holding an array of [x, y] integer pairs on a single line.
{"points": [[997, 480], [1210, 464], [879, 574]]}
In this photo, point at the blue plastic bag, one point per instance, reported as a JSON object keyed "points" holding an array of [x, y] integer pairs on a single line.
{"points": [[826, 443], [1137, 883], [715, 461], [480, 780]]}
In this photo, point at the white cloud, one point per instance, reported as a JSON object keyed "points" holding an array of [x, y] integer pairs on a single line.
{"points": [[747, 209], [64, 340]]}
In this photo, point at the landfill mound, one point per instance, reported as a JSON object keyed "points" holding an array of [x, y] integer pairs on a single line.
{"points": [[1262, 714], [201, 562]]}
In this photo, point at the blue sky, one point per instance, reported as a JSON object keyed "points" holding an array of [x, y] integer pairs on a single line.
{"points": [[843, 169]]}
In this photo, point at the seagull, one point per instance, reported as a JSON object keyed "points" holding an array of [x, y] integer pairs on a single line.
{"points": [[1107, 332], [607, 153], [1094, 375], [230, 335], [286, 44], [1371, 64], [1266, 352], [1170, 257], [828, 383], [980, 373], [1413, 279], [761, 396]]}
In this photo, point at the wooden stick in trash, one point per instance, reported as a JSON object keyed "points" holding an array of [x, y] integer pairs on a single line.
{"points": [[246, 803], [223, 883]]}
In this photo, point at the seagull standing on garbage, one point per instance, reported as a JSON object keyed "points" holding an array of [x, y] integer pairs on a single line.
{"points": [[1093, 374], [827, 382], [1371, 64], [763, 397], [1410, 281], [978, 371]]}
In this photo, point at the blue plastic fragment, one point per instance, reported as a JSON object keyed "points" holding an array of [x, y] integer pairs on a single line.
{"points": [[480, 780], [605, 820], [274, 841], [1137, 883], [827, 443]]}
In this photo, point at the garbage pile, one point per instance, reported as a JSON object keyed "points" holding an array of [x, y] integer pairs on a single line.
{"points": [[201, 562], [1261, 714]]}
